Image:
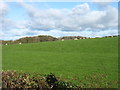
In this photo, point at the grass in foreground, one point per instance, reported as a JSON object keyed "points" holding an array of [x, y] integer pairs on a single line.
{"points": [[69, 59]]}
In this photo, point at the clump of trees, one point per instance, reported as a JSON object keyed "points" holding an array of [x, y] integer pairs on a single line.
{"points": [[35, 39]]}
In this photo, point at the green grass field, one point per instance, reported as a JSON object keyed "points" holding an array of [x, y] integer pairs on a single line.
{"points": [[68, 58]]}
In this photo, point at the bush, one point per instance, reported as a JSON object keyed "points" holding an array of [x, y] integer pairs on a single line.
{"points": [[12, 79], [22, 80], [54, 83]]}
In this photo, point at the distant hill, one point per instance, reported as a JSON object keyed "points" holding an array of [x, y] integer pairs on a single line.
{"points": [[34, 39], [43, 38]]}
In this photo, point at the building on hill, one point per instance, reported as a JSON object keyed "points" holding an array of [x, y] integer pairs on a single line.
{"points": [[71, 37]]}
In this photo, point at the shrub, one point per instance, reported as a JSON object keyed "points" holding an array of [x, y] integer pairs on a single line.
{"points": [[13, 79], [21, 80], [55, 84]]}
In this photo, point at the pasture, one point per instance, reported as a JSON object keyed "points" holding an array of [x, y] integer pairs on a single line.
{"points": [[69, 58]]}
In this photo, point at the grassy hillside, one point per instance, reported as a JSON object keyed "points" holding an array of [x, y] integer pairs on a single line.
{"points": [[68, 58]]}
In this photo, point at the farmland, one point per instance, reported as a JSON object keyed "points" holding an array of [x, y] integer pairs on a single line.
{"points": [[69, 58]]}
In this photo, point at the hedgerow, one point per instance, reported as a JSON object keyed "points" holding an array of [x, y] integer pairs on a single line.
{"points": [[13, 79]]}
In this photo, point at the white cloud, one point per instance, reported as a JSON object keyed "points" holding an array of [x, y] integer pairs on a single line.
{"points": [[3, 9], [80, 20], [81, 9]]}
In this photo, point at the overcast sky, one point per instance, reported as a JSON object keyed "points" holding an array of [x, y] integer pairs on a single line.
{"points": [[90, 19]]}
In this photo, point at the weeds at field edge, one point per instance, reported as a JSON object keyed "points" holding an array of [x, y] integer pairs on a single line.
{"points": [[13, 79]]}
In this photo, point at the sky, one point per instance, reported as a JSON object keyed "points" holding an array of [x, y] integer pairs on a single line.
{"points": [[89, 19]]}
